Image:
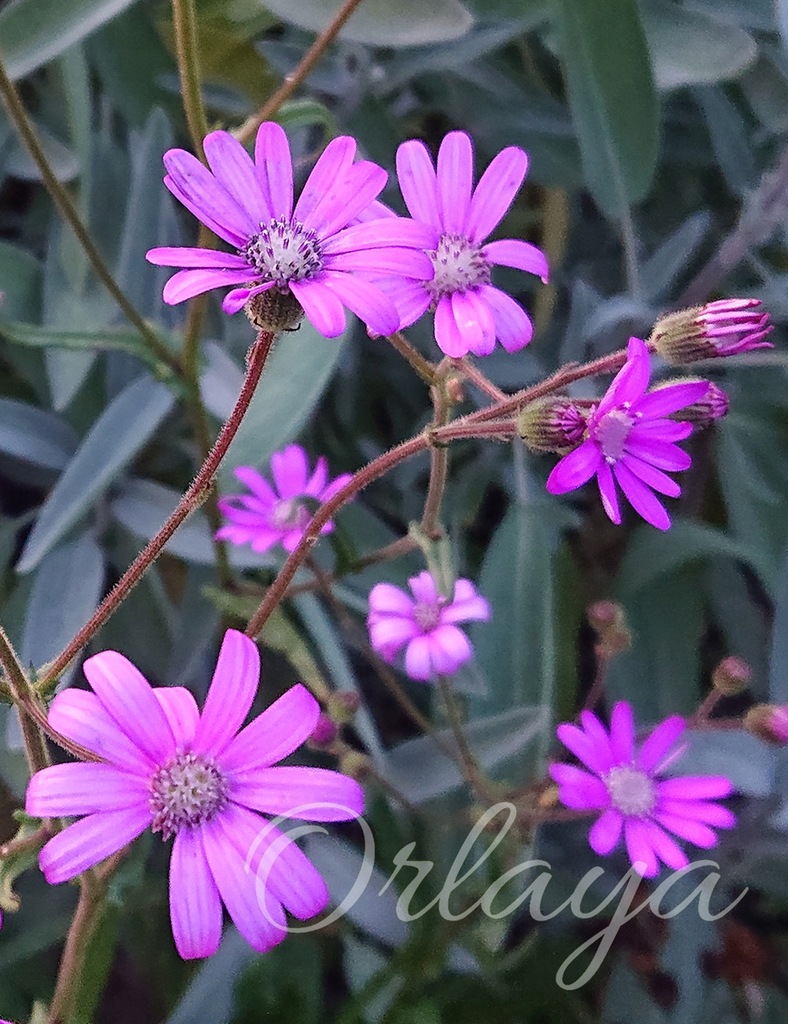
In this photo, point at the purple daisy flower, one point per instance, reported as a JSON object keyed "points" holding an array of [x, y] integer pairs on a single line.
{"points": [[313, 251], [426, 623], [630, 441], [177, 771], [469, 312], [278, 514], [623, 783]]}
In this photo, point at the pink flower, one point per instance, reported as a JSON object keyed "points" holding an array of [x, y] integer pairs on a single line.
{"points": [[309, 251], [630, 441], [278, 514], [623, 783], [168, 767], [469, 312], [425, 623]]}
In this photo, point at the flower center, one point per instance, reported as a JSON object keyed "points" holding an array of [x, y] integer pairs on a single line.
{"points": [[288, 514], [284, 251], [611, 432], [186, 792], [631, 791], [426, 616], [459, 265]]}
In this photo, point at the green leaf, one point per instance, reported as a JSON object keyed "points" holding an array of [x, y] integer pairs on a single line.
{"points": [[379, 22], [125, 427], [20, 281], [614, 105], [33, 32], [34, 435], [35, 336]]}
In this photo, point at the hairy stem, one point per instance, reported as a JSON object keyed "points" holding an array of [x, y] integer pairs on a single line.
{"points": [[439, 466], [24, 698]]}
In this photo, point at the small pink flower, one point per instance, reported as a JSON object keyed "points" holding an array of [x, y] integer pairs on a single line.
{"points": [[425, 624], [313, 251], [168, 767], [630, 441], [279, 514], [470, 313], [623, 783]]}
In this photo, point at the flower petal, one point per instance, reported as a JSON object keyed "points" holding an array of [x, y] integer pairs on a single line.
{"points": [[386, 599], [467, 605], [395, 260], [575, 469], [206, 259], [631, 380], [312, 794], [188, 283], [423, 587], [235, 300], [495, 192], [511, 252], [80, 716], [418, 662], [63, 790], [474, 322], [256, 483], [233, 688], [128, 698], [694, 832], [234, 169], [89, 841], [290, 469], [448, 335], [195, 906], [180, 707], [331, 167], [605, 834], [666, 849], [671, 398], [321, 306], [278, 864], [698, 810], [389, 634], [450, 648], [638, 838], [579, 789], [607, 492], [454, 181], [201, 194], [591, 753], [275, 733], [348, 197], [660, 743], [274, 168], [394, 232], [696, 787], [641, 497], [513, 326], [417, 182], [622, 732], [662, 454], [598, 735], [371, 305], [651, 476]]}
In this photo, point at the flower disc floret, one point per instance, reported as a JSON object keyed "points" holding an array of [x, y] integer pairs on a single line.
{"points": [[624, 782], [187, 791]]}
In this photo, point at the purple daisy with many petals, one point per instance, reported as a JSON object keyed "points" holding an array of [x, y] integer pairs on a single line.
{"points": [[470, 313], [279, 514], [623, 783], [630, 441], [194, 776], [313, 251], [426, 623]]}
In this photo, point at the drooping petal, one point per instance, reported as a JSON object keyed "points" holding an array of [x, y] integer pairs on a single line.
{"points": [[454, 181], [195, 907], [605, 834], [235, 300], [80, 716], [207, 259], [622, 732], [128, 698], [641, 497], [574, 469], [234, 169], [651, 476], [474, 322], [511, 252], [450, 648], [291, 471], [579, 789], [255, 912], [447, 334], [495, 192], [671, 398], [312, 794], [607, 492], [275, 733], [371, 305], [188, 283], [417, 182], [66, 790], [418, 663], [233, 688], [90, 840], [637, 836], [696, 787], [660, 743], [513, 326], [332, 166], [386, 599], [201, 194], [274, 168], [180, 707], [321, 306]]}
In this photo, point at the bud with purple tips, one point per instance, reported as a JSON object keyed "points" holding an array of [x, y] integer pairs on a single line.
{"points": [[726, 327]]}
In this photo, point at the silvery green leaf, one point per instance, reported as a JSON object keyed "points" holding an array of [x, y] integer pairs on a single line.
{"points": [[35, 435]]}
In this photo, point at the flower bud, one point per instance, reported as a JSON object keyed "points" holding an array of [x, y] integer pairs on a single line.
{"points": [[274, 311], [768, 722], [354, 764], [552, 424], [342, 707], [731, 676], [608, 621], [726, 327], [324, 733]]}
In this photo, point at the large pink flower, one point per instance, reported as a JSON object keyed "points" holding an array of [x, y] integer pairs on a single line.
{"points": [[630, 441], [623, 783], [278, 515], [425, 624], [314, 250], [168, 767], [470, 313]]}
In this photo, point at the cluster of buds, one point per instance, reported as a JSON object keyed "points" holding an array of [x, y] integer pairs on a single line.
{"points": [[726, 327], [608, 621]]}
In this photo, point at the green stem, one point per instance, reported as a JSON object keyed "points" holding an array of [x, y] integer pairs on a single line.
{"points": [[439, 467], [68, 211], [190, 501], [187, 50], [25, 699]]}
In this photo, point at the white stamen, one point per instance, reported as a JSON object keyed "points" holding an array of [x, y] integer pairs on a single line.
{"points": [[631, 791], [459, 265], [186, 792], [284, 251]]}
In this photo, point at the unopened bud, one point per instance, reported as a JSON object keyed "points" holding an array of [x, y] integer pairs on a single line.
{"points": [[552, 424], [354, 764], [324, 733], [722, 328], [768, 722], [274, 311], [731, 676], [609, 622], [712, 406], [342, 707]]}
